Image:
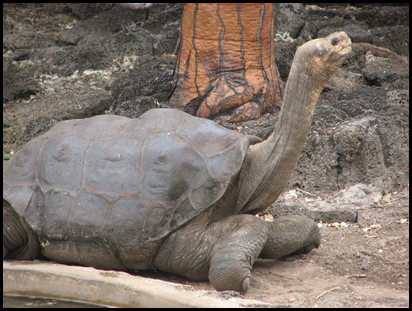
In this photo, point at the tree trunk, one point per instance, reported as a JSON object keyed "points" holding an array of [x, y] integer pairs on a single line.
{"points": [[226, 64]]}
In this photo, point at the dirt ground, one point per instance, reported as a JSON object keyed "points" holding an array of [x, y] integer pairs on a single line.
{"points": [[362, 264], [55, 69]]}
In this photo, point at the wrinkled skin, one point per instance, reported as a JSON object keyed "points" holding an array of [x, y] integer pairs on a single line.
{"points": [[181, 205]]}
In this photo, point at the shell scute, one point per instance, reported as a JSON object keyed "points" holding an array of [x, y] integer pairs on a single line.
{"points": [[60, 163]]}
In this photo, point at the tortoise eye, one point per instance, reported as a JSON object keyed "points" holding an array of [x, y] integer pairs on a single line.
{"points": [[335, 41]]}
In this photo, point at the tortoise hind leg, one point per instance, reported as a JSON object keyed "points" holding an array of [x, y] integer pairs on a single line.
{"points": [[19, 240]]}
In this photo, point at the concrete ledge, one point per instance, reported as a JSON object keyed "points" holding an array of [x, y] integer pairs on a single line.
{"points": [[106, 287]]}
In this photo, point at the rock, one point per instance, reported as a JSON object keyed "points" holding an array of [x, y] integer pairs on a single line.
{"points": [[359, 195], [379, 71]]}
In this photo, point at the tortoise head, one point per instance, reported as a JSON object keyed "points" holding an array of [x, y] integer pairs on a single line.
{"points": [[320, 58]]}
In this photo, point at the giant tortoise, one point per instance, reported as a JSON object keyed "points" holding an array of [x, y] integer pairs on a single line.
{"points": [[166, 191]]}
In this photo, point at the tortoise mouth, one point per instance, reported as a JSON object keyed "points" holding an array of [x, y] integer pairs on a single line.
{"points": [[345, 43], [346, 48]]}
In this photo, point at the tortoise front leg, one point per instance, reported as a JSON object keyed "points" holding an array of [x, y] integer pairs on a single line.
{"points": [[242, 238], [245, 237], [222, 251], [291, 234]]}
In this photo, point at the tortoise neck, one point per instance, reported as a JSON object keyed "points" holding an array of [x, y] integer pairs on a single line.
{"points": [[274, 160], [301, 95]]}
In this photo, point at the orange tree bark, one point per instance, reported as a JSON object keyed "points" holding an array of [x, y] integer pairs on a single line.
{"points": [[226, 64]]}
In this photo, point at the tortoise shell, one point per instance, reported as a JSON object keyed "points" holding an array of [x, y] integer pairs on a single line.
{"points": [[121, 183]]}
